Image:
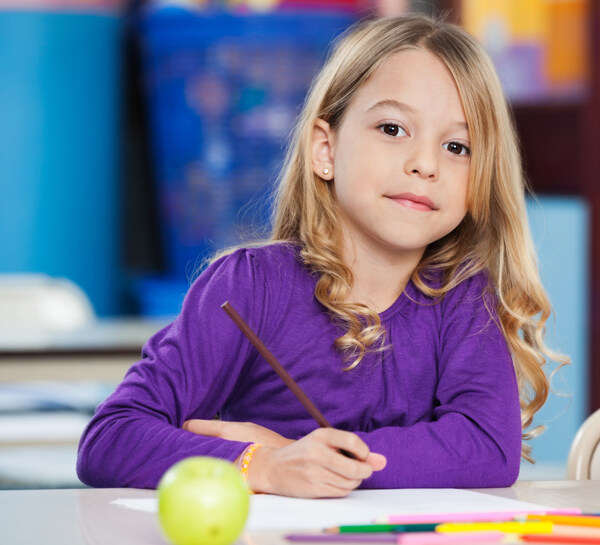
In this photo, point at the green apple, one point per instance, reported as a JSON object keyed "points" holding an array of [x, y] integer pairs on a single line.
{"points": [[202, 501]]}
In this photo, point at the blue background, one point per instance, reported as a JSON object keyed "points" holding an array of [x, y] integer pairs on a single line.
{"points": [[59, 146], [560, 229]]}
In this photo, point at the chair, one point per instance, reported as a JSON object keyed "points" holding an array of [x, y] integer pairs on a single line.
{"points": [[584, 457]]}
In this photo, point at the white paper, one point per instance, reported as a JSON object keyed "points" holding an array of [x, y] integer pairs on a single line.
{"points": [[269, 513], [364, 506], [149, 505]]}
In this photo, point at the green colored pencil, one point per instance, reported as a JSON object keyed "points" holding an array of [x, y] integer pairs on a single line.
{"points": [[372, 528]]}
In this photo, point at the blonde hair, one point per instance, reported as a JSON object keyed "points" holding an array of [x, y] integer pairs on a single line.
{"points": [[494, 235]]}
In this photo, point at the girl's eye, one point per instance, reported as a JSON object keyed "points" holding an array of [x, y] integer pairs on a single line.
{"points": [[391, 129], [457, 148]]}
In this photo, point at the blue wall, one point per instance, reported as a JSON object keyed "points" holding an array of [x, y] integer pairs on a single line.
{"points": [[560, 229], [59, 164]]}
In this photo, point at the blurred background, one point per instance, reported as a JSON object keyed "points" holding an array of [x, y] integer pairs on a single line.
{"points": [[136, 138]]}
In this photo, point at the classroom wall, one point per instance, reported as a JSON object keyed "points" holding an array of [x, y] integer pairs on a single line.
{"points": [[60, 199], [560, 229]]}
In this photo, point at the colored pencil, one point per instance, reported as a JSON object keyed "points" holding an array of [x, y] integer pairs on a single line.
{"points": [[417, 538], [469, 517], [433, 538], [551, 538], [343, 538], [511, 527], [373, 528], [586, 531], [569, 520]]}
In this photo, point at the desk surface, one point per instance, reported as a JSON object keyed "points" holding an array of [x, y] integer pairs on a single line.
{"points": [[102, 350], [102, 336], [87, 517]]}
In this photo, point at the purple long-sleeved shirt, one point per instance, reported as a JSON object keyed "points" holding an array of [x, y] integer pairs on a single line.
{"points": [[441, 403]]}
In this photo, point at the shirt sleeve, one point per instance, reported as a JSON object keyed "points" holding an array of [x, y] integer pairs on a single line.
{"points": [[189, 367], [474, 437]]}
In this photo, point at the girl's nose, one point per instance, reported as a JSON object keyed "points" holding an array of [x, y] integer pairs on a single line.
{"points": [[422, 162]]}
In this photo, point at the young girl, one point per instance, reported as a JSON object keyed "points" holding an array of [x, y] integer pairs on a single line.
{"points": [[399, 289]]}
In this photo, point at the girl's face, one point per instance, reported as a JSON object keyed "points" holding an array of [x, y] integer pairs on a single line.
{"points": [[399, 160]]}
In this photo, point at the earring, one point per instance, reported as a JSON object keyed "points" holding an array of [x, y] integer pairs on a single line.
{"points": [[326, 171]]}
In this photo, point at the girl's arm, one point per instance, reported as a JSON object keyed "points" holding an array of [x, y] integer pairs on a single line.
{"points": [[190, 367], [311, 467], [473, 437]]}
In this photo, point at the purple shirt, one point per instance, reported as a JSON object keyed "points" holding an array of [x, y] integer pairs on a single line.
{"points": [[441, 403]]}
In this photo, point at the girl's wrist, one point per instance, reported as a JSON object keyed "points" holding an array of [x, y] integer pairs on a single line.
{"points": [[244, 461], [256, 476]]}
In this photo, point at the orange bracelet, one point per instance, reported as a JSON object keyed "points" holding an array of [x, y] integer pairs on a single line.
{"points": [[246, 459]]}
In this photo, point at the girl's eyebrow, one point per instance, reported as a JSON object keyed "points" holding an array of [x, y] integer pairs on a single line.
{"points": [[391, 103], [405, 108]]}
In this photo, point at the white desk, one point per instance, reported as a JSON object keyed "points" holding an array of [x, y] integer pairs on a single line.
{"points": [[87, 517], [101, 351]]}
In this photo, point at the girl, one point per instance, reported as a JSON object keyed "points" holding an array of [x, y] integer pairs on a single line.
{"points": [[399, 289]]}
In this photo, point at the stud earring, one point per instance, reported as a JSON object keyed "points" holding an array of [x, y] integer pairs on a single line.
{"points": [[325, 171]]}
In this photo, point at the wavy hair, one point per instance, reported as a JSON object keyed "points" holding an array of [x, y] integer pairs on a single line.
{"points": [[494, 235]]}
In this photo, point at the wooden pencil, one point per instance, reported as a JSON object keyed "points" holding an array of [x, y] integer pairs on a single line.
{"points": [[277, 367]]}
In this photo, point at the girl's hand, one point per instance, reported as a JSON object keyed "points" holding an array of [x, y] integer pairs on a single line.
{"points": [[313, 466], [246, 432]]}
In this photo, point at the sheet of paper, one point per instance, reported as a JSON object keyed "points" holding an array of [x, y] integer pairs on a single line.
{"points": [[277, 513], [361, 506]]}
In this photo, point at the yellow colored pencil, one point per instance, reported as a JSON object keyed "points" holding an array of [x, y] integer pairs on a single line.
{"points": [[514, 527]]}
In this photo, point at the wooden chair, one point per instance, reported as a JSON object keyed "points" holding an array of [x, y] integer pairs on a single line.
{"points": [[584, 457]]}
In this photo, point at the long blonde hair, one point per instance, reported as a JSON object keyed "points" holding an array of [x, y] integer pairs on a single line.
{"points": [[494, 235]]}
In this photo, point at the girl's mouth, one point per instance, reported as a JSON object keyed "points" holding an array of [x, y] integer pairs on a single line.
{"points": [[416, 202]]}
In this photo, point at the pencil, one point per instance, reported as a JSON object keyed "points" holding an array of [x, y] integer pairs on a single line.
{"points": [[277, 367], [376, 528], [343, 538], [470, 517], [432, 538], [417, 538], [569, 520], [528, 527], [572, 531], [551, 538]]}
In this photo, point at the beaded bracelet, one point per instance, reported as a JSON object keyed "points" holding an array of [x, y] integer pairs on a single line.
{"points": [[246, 458]]}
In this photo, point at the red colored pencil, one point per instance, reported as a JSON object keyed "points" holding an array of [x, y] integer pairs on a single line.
{"points": [[549, 538]]}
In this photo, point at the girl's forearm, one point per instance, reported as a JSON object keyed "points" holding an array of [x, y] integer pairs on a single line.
{"points": [[454, 453], [135, 451]]}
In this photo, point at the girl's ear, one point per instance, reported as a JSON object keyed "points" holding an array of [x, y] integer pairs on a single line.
{"points": [[322, 149]]}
